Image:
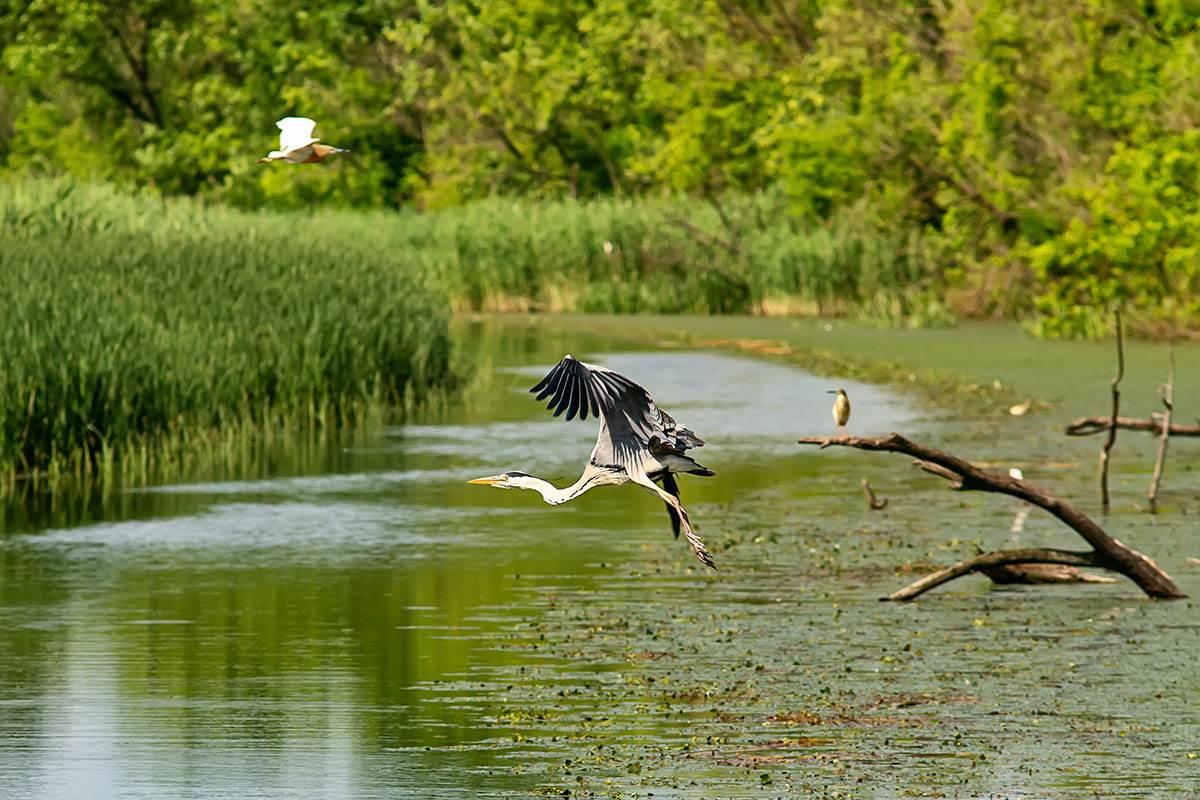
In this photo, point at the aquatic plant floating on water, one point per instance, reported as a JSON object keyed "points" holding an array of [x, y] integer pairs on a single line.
{"points": [[297, 144], [1022, 408], [638, 442]]}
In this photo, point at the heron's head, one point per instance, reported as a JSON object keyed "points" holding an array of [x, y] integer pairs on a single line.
{"points": [[836, 391], [508, 480]]}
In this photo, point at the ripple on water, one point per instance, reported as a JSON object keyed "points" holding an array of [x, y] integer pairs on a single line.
{"points": [[326, 531], [358, 483]]}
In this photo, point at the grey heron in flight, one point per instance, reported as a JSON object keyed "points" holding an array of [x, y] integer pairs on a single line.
{"points": [[638, 442]]}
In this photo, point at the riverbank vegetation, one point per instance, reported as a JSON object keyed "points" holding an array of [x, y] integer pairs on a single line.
{"points": [[606, 255], [136, 326], [1040, 156]]}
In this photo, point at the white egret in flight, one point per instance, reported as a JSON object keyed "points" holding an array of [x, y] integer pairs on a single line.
{"points": [[297, 144], [638, 442]]}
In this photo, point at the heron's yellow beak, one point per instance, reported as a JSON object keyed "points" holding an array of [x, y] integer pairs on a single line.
{"points": [[487, 481]]}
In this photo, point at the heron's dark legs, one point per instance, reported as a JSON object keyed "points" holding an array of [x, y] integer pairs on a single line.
{"points": [[695, 541]]}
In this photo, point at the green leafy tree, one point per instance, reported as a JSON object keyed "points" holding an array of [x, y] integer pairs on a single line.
{"points": [[994, 135]]}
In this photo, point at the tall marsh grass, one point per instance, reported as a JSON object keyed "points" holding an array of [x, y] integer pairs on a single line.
{"points": [[619, 255], [131, 325]]}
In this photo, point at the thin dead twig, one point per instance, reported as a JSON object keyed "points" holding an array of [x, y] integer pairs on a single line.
{"points": [[1089, 426], [1168, 401], [872, 502], [1112, 424]]}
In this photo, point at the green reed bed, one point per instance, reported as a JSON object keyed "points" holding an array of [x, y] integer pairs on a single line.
{"points": [[629, 256], [606, 256], [621, 256], [133, 329]]}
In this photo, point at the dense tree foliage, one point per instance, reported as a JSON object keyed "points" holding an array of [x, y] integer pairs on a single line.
{"points": [[1043, 151]]}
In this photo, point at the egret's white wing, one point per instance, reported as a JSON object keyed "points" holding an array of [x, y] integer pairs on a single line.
{"points": [[295, 132]]}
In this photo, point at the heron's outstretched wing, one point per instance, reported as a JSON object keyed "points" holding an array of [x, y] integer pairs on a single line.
{"points": [[672, 487], [577, 388], [295, 132], [631, 419]]}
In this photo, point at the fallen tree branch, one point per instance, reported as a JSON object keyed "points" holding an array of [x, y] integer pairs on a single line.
{"points": [[1041, 573], [1112, 422], [1168, 401], [1109, 552], [996, 558], [1087, 426]]}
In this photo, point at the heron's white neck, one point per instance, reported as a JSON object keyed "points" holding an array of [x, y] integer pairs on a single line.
{"points": [[549, 492]]}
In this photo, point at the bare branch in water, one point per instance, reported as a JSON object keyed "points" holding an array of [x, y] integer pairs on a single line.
{"points": [[1108, 552], [1168, 401], [873, 503], [1112, 422]]}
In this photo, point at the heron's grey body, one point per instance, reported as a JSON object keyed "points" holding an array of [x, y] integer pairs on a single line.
{"points": [[638, 442]]}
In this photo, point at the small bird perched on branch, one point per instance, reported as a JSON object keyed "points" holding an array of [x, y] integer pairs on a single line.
{"points": [[841, 408], [297, 144]]}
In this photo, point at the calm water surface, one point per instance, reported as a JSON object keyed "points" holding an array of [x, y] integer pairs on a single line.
{"points": [[354, 620]]}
